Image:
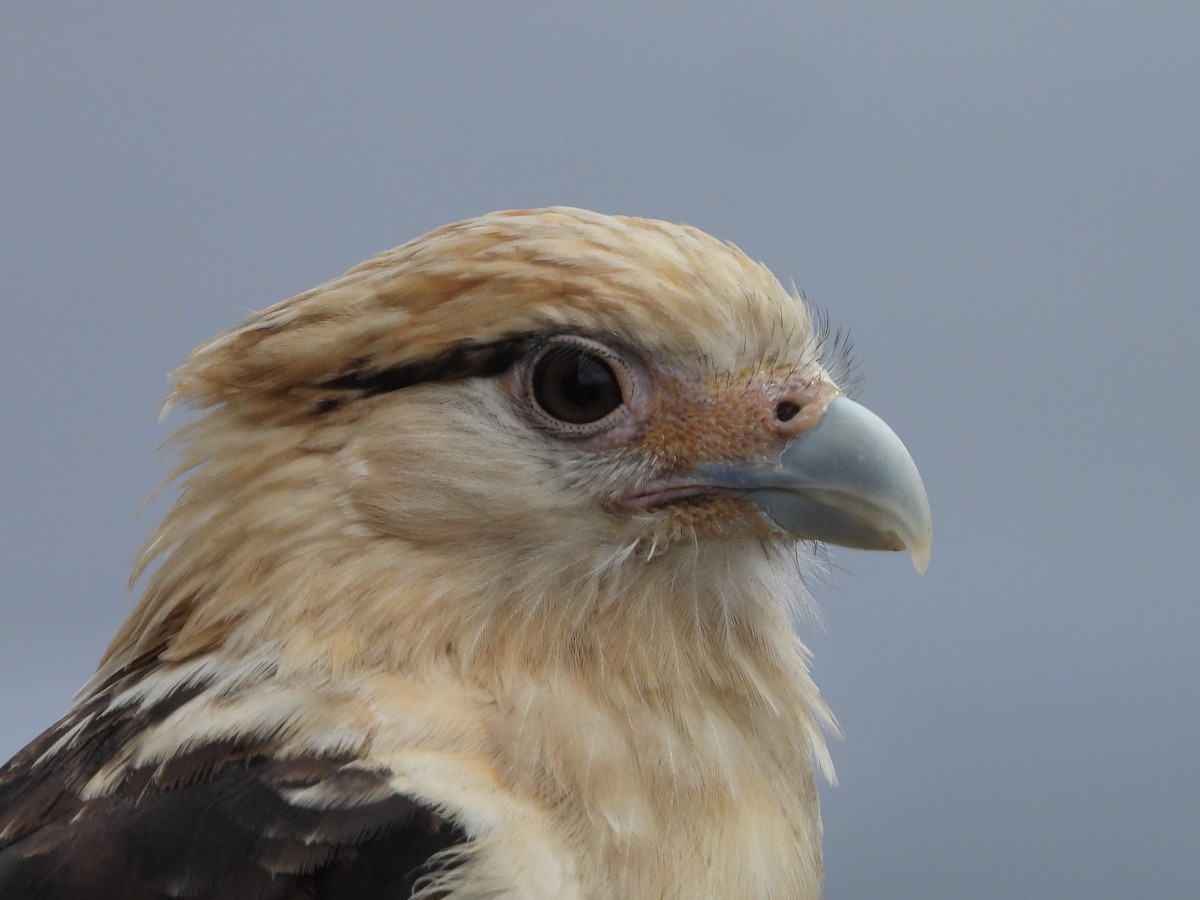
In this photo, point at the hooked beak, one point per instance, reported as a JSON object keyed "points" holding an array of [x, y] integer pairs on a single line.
{"points": [[845, 480]]}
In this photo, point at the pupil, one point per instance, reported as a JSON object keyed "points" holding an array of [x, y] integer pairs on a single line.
{"points": [[585, 386]]}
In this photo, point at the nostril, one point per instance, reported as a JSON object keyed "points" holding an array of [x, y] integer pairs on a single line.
{"points": [[786, 410]]}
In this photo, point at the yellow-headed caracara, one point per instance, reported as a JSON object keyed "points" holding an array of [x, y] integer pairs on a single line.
{"points": [[479, 584]]}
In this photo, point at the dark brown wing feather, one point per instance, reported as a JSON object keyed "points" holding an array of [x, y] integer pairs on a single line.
{"points": [[221, 820]]}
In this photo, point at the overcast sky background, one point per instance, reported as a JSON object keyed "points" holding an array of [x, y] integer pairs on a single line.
{"points": [[1000, 201]]}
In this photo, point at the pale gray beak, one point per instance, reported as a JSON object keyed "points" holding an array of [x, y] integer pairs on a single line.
{"points": [[848, 480]]}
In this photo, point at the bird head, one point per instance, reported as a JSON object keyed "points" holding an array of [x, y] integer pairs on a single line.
{"points": [[539, 407]]}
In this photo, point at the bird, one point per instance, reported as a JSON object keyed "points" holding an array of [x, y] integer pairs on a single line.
{"points": [[480, 581]]}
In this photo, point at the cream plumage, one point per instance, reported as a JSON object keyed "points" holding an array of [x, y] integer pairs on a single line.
{"points": [[478, 584]]}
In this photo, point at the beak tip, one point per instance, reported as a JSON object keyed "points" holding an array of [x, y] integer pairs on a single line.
{"points": [[920, 556], [919, 539]]}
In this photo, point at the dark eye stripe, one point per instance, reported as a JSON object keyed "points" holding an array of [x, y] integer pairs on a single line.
{"points": [[465, 360]]}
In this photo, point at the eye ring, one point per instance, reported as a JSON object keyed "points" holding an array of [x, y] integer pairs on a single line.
{"points": [[577, 386]]}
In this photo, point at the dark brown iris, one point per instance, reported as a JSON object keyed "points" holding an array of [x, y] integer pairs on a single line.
{"points": [[575, 385]]}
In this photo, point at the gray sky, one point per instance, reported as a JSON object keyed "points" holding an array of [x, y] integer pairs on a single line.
{"points": [[1001, 201]]}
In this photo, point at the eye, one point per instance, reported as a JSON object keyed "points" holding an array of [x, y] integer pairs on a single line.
{"points": [[576, 384]]}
